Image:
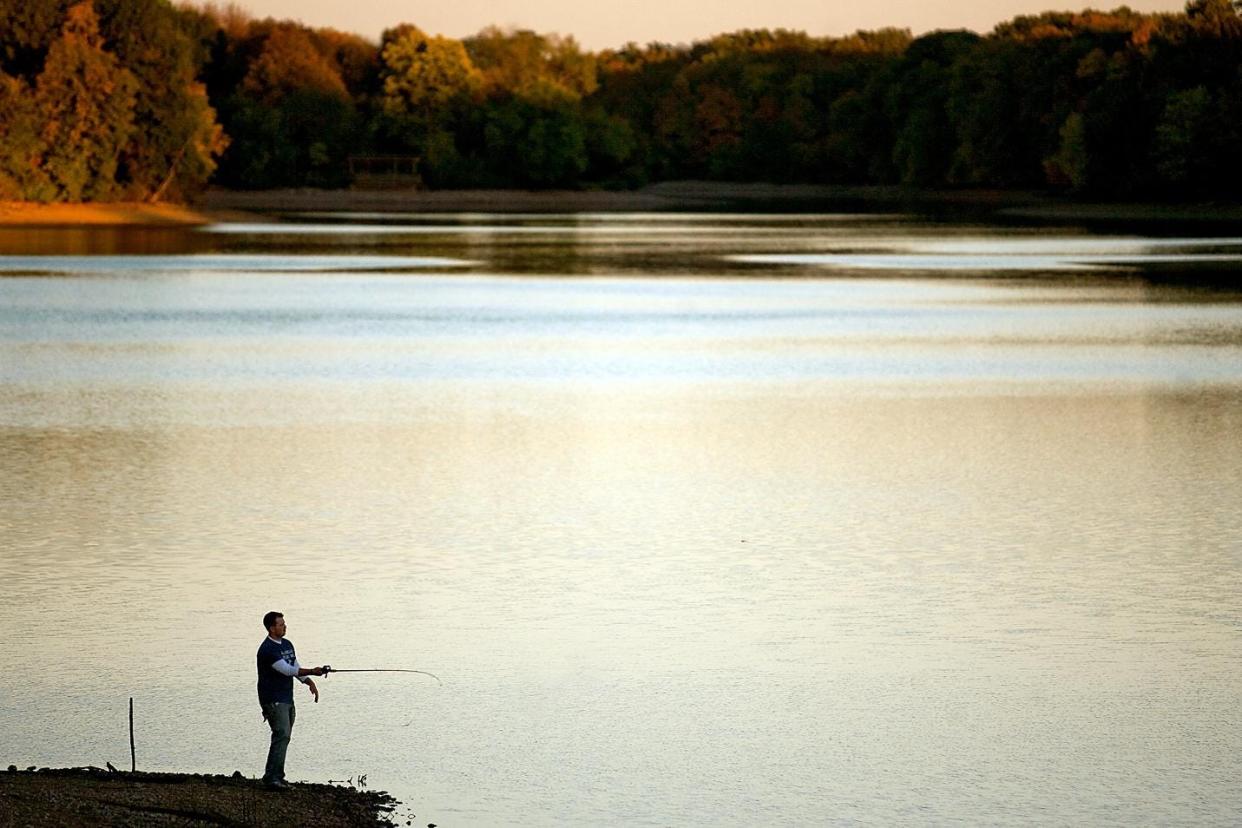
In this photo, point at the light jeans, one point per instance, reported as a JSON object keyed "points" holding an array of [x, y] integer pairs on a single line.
{"points": [[280, 716]]}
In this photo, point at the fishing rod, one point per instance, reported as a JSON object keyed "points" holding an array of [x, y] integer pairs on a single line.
{"points": [[327, 669]]}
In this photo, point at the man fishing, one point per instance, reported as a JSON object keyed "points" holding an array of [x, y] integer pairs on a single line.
{"points": [[278, 667]]}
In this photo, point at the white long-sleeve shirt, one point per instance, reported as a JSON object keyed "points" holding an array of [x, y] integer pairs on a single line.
{"points": [[286, 669]]}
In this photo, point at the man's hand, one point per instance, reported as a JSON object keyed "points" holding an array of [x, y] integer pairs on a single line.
{"points": [[318, 671], [310, 683]]}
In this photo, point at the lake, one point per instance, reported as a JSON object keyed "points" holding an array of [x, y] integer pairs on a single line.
{"points": [[702, 519]]}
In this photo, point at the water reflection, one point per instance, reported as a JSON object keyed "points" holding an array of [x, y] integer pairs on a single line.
{"points": [[756, 588], [658, 244], [100, 241], [994, 262], [133, 330], [684, 549], [203, 263]]}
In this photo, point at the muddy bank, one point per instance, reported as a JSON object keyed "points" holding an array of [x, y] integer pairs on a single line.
{"points": [[668, 196], [672, 196], [1128, 213], [245, 205], [90, 796], [431, 201], [709, 196]]}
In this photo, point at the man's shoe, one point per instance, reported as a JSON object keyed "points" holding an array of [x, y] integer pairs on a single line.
{"points": [[276, 785]]}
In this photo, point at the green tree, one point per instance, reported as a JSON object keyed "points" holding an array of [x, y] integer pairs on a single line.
{"points": [[917, 104], [300, 140], [848, 146], [611, 149], [1070, 164], [997, 133], [1183, 147], [292, 119], [717, 128], [536, 146]]}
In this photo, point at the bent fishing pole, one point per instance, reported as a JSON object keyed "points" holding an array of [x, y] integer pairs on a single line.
{"points": [[327, 670]]}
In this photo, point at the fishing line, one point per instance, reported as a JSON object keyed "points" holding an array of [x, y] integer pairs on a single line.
{"points": [[327, 670]]}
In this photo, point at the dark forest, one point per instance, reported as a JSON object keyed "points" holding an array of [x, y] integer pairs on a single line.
{"points": [[142, 100]]}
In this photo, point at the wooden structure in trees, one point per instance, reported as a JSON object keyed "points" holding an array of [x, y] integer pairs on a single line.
{"points": [[384, 172]]}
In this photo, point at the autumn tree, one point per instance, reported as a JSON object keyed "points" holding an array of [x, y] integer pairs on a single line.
{"points": [[421, 73], [27, 29], [174, 152], [542, 69], [290, 97], [356, 59], [428, 85], [288, 63], [1098, 103], [22, 176], [86, 101], [293, 117]]}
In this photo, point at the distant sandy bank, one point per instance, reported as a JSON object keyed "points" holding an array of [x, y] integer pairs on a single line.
{"points": [[24, 214]]}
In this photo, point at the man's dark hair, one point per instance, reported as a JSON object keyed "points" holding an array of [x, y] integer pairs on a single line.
{"points": [[270, 619]]}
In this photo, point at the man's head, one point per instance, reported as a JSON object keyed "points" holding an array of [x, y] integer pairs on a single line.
{"points": [[275, 624]]}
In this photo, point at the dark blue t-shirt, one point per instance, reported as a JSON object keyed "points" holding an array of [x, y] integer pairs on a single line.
{"points": [[274, 687]]}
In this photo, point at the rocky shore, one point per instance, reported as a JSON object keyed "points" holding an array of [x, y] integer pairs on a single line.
{"points": [[49, 797]]}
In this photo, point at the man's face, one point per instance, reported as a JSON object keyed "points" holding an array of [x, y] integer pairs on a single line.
{"points": [[277, 630]]}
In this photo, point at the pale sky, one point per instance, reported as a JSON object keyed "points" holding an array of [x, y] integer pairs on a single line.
{"points": [[602, 25]]}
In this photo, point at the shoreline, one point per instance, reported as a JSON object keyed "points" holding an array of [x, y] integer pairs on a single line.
{"points": [[669, 196], [94, 796], [674, 196], [22, 214]]}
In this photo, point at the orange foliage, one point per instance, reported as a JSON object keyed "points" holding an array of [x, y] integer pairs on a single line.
{"points": [[290, 63]]}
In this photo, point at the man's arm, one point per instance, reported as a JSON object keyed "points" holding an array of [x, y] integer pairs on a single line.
{"points": [[310, 684], [296, 671]]}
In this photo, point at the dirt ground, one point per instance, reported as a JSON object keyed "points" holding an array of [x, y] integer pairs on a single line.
{"points": [[90, 796]]}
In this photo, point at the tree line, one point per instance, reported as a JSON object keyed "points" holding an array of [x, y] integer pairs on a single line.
{"points": [[138, 99]]}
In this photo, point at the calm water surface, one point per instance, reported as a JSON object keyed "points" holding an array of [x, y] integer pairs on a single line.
{"points": [[702, 519]]}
